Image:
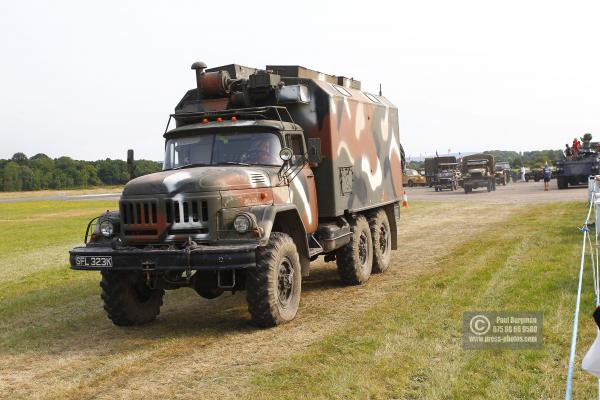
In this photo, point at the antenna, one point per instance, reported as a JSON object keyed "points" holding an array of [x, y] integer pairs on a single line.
{"points": [[380, 89]]}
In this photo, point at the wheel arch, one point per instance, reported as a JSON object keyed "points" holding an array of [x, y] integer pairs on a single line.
{"points": [[286, 219], [392, 212]]}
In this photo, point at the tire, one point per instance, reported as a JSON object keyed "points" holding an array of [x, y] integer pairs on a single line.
{"points": [[355, 259], [273, 288], [467, 189], [489, 187], [128, 300], [410, 183], [562, 182], [437, 189], [382, 241]]}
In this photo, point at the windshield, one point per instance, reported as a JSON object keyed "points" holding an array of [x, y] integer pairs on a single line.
{"points": [[217, 149]]}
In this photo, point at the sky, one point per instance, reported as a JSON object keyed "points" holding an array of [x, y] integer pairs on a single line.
{"points": [[90, 80]]}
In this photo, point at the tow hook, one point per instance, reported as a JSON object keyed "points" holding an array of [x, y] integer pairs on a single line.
{"points": [[190, 245], [147, 267]]}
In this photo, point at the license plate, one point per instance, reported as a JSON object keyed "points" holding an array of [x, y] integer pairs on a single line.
{"points": [[94, 261]]}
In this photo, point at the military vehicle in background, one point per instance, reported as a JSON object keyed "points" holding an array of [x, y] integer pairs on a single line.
{"points": [[446, 173], [537, 174], [412, 177], [579, 167], [478, 170], [428, 165], [502, 173], [265, 171]]}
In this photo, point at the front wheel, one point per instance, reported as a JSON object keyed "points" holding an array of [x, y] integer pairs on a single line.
{"points": [[410, 184], [128, 300], [562, 182], [355, 259], [273, 287]]}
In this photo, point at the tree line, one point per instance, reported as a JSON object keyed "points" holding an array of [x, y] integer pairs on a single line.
{"points": [[42, 172]]}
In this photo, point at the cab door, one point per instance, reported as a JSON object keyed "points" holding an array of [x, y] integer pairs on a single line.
{"points": [[303, 191]]}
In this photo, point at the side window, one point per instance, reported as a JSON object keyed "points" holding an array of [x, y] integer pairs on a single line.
{"points": [[296, 143]]}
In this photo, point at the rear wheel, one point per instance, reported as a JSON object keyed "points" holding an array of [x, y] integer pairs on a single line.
{"points": [[410, 183], [382, 244], [355, 259], [128, 300], [273, 287]]}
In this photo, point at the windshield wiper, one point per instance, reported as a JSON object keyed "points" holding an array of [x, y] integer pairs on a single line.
{"points": [[191, 165]]}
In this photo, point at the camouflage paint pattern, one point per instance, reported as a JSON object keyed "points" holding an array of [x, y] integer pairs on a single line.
{"points": [[360, 144]]}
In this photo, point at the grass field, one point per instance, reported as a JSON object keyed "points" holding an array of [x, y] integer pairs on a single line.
{"points": [[399, 336]]}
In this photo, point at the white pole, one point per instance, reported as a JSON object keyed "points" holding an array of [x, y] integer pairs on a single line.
{"points": [[575, 321]]}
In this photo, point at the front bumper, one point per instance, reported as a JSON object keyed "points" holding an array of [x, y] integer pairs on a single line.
{"points": [[223, 257]]}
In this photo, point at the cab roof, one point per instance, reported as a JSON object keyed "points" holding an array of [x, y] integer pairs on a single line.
{"points": [[249, 125]]}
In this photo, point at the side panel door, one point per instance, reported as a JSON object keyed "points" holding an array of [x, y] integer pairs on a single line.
{"points": [[303, 191]]}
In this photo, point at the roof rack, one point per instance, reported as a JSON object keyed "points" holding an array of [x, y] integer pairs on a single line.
{"points": [[267, 112]]}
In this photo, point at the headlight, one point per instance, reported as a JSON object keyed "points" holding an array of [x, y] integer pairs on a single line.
{"points": [[107, 228], [242, 223]]}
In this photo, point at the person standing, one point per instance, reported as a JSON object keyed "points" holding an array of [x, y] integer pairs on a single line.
{"points": [[547, 174], [523, 173], [576, 146], [568, 152]]}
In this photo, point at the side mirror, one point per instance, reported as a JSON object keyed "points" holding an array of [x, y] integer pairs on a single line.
{"points": [[286, 154]]}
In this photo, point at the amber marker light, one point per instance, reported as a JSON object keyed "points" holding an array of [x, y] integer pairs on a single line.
{"points": [[234, 118], [205, 121]]}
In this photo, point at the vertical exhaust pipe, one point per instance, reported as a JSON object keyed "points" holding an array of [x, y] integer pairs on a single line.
{"points": [[199, 67]]}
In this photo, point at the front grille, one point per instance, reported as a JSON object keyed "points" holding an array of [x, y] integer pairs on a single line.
{"points": [[186, 211], [138, 212], [146, 220]]}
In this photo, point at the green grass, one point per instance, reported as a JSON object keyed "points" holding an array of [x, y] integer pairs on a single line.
{"points": [[35, 238], [406, 346], [410, 345]]}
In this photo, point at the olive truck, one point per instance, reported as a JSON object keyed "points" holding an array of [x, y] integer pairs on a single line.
{"points": [[445, 173], [265, 170], [478, 171]]}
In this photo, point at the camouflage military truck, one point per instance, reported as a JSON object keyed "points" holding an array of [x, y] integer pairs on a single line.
{"points": [[265, 171], [578, 168], [445, 173], [502, 173], [478, 170]]}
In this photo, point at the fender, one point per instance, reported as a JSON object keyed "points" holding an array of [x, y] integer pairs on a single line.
{"points": [[286, 218]]}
